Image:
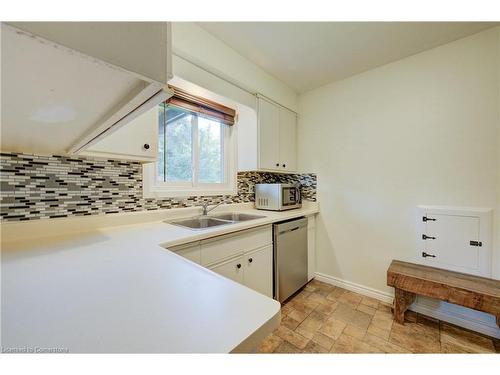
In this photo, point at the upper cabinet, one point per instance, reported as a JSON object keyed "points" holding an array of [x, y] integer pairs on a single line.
{"points": [[277, 137], [138, 140], [72, 88], [288, 140], [269, 133]]}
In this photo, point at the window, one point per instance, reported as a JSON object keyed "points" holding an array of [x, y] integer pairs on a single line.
{"points": [[196, 153]]}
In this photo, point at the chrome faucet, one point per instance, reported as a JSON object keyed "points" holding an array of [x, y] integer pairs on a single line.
{"points": [[206, 210]]}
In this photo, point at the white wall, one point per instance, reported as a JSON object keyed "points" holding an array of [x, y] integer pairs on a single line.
{"points": [[194, 44], [422, 130]]}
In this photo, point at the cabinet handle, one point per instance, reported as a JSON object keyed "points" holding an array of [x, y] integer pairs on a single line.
{"points": [[250, 260], [238, 266], [146, 146], [284, 165], [425, 255], [277, 164]]}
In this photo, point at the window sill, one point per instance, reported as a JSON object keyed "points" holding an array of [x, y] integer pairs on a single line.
{"points": [[154, 189]]}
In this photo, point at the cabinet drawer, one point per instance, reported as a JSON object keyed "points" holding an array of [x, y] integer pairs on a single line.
{"points": [[232, 269], [189, 251], [223, 247]]}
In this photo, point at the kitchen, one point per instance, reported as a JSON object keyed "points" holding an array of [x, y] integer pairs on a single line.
{"points": [[204, 198]]}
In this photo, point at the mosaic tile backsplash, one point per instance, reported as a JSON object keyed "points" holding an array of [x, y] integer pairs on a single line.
{"points": [[41, 187]]}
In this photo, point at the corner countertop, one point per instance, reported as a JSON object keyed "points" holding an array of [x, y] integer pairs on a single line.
{"points": [[77, 286]]}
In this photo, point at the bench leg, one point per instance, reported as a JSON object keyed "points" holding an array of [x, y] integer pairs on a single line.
{"points": [[402, 300]]}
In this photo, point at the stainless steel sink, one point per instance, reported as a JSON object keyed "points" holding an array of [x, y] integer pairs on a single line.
{"points": [[203, 222], [236, 216], [200, 222]]}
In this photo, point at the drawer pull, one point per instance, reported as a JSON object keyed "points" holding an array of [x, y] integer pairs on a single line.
{"points": [[238, 266], [425, 255], [250, 260]]}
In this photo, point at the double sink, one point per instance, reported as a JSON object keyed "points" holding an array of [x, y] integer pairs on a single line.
{"points": [[204, 222]]}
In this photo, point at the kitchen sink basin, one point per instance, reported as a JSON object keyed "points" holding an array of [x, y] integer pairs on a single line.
{"points": [[236, 216], [203, 222], [200, 222]]}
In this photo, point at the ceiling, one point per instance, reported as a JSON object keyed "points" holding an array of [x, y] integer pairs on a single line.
{"points": [[306, 55]]}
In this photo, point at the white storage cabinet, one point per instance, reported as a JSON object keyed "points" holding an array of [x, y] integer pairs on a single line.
{"points": [[245, 257], [454, 238], [277, 137], [96, 83]]}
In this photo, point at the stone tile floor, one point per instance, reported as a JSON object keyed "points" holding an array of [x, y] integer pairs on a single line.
{"points": [[322, 318]]}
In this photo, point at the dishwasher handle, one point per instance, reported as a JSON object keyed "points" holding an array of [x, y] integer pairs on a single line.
{"points": [[287, 228]]}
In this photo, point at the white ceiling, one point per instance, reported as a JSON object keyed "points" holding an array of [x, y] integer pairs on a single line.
{"points": [[306, 55]]}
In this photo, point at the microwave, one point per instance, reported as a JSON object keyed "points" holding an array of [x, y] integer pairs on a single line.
{"points": [[277, 197]]}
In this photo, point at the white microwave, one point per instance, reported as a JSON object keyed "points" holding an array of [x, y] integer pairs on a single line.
{"points": [[277, 197]]}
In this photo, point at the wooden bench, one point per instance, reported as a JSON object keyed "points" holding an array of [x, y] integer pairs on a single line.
{"points": [[410, 280]]}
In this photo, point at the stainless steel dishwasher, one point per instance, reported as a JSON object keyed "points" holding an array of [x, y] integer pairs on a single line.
{"points": [[290, 257]]}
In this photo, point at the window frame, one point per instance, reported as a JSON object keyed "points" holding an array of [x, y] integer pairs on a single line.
{"points": [[154, 188]]}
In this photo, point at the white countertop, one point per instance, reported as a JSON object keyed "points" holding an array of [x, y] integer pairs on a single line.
{"points": [[117, 289]]}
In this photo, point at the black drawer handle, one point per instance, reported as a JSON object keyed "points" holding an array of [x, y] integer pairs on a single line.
{"points": [[146, 146], [425, 255], [284, 165], [250, 260], [426, 237], [238, 266]]}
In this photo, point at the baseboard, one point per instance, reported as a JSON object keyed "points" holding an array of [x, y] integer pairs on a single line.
{"points": [[353, 287], [437, 313]]}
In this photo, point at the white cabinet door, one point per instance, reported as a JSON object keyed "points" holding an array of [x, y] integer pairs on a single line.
{"points": [[137, 140], [455, 238], [288, 140], [311, 247], [448, 243], [269, 134], [232, 269], [259, 270]]}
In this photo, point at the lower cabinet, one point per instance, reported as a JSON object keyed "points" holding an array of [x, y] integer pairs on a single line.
{"points": [[254, 270], [245, 257]]}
